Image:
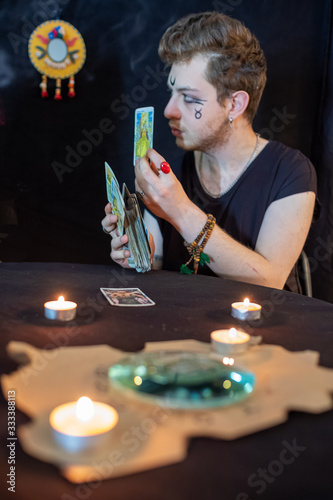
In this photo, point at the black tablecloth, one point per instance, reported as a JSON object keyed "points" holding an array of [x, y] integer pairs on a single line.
{"points": [[187, 307]]}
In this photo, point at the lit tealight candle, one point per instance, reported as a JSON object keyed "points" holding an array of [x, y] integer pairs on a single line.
{"points": [[61, 309], [230, 341], [246, 310], [82, 424]]}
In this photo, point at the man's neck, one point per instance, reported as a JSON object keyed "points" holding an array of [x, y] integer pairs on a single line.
{"points": [[234, 152], [218, 170]]}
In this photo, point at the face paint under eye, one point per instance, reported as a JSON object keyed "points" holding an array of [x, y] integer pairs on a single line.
{"points": [[193, 100], [172, 81], [198, 113]]}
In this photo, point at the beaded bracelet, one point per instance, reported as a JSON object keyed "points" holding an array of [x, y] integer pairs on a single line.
{"points": [[195, 248]]}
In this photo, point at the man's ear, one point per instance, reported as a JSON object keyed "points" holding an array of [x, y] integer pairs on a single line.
{"points": [[238, 102]]}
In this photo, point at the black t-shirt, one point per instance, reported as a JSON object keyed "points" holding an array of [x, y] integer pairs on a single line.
{"points": [[277, 172]]}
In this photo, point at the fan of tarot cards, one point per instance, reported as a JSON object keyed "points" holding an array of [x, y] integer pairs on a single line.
{"points": [[125, 205]]}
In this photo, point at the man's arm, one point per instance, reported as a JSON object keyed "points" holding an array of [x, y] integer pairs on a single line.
{"points": [[280, 240]]}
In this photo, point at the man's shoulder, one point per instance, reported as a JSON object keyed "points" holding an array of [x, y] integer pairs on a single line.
{"points": [[275, 149], [290, 169], [279, 151]]}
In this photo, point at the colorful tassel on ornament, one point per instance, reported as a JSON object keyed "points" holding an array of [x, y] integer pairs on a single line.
{"points": [[57, 96], [43, 86], [71, 91]]}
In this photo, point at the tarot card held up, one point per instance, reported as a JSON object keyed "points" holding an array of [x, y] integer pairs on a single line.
{"points": [[143, 131]]}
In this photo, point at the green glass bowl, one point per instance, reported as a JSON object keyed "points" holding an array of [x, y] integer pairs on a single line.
{"points": [[182, 380]]}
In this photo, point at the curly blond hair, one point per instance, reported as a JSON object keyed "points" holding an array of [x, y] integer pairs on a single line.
{"points": [[235, 58]]}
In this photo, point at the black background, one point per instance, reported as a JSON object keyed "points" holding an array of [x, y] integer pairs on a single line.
{"points": [[50, 217]]}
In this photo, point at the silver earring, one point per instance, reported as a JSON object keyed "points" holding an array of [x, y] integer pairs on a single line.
{"points": [[230, 121]]}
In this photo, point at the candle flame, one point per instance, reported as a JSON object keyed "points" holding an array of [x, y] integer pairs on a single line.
{"points": [[228, 361], [246, 302], [233, 332], [137, 380], [84, 409], [61, 299]]}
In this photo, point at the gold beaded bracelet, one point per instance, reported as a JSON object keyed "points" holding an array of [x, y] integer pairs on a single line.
{"points": [[195, 248]]}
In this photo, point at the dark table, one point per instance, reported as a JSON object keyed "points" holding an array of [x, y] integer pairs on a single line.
{"points": [[187, 307]]}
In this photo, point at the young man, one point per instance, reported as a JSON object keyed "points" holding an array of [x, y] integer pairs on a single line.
{"points": [[261, 193]]}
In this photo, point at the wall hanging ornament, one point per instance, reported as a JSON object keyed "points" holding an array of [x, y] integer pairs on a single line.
{"points": [[57, 51]]}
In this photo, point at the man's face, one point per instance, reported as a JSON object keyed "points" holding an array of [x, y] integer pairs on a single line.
{"points": [[195, 117]]}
